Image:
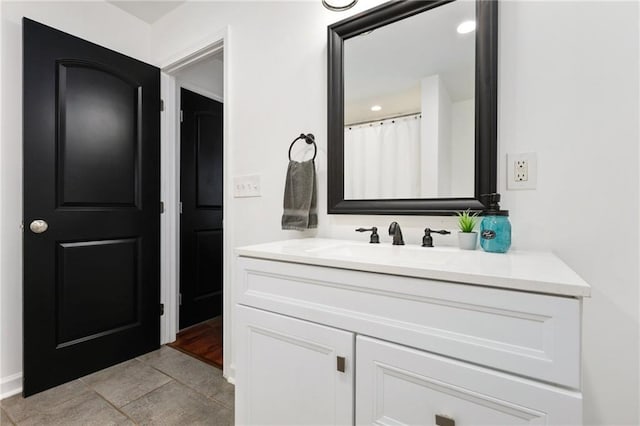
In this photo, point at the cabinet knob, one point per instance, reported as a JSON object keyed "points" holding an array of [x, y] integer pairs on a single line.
{"points": [[444, 421], [340, 364]]}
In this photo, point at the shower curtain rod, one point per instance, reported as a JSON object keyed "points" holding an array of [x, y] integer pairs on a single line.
{"points": [[383, 119]]}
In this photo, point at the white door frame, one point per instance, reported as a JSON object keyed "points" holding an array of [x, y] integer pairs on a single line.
{"points": [[170, 189]]}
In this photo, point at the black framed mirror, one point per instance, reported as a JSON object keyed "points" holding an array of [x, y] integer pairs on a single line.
{"points": [[438, 175]]}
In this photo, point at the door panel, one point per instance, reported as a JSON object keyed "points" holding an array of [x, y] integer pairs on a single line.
{"points": [[110, 302], [96, 101], [209, 263], [289, 372], [201, 219], [91, 171], [209, 159]]}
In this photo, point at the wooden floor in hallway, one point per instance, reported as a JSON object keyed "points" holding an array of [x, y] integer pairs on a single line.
{"points": [[202, 341]]}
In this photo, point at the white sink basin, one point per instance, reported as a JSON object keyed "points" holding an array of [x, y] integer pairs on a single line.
{"points": [[384, 253]]}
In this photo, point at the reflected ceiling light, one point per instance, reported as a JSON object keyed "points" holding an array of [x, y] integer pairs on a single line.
{"points": [[339, 5], [467, 27], [376, 108]]}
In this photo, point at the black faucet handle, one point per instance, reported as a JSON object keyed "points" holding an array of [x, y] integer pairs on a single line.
{"points": [[375, 238], [427, 240], [438, 231]]}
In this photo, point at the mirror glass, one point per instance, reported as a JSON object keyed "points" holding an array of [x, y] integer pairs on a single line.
{"points": [[412, 108], [409, 119]]}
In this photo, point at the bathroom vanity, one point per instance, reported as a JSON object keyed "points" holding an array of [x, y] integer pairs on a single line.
{"points": [[342, 332]]}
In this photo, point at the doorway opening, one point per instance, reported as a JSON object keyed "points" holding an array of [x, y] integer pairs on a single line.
{"points": [[201, 249], [195, 249]]}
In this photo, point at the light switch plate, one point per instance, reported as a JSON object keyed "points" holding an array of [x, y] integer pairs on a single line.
{"points": [[522, 171], [246, 186]]}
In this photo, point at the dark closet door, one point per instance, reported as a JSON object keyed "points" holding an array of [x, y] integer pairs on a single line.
{"points": [[201, 219], [91, 173]]}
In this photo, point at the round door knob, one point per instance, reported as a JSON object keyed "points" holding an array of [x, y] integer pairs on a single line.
{"points": [[38, 226]]}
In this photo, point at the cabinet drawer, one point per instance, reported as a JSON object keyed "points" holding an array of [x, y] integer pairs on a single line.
{"points": [[533, 335], [396, 385]]}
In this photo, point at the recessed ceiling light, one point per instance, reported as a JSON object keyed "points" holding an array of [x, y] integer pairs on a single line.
{"points": [[376, 108], [467, 27]]}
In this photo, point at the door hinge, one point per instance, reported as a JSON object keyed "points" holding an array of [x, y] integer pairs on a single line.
{"points": [[161, 104], [180, 207], [161, 207], [161, 309], [181, 116], [179, 299]]}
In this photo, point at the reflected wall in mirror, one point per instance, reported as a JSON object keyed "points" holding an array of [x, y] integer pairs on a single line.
{"points": [[413, 108], [409, 107]]}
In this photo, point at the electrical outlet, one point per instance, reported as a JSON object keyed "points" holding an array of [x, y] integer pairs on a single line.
{"points": [[522, 171]]}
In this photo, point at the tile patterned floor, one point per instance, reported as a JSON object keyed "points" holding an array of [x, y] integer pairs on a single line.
{"points": [[164, 387]]}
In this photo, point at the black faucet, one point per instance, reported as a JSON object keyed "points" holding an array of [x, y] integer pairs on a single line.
{"points": [[427, 240], [375, 238], [394, 229]]}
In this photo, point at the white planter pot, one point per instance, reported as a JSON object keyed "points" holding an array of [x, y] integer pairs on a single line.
{"points": [[467, 240]]}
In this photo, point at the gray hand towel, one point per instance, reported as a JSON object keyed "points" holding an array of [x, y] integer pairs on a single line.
{"points": [[300, 204]]}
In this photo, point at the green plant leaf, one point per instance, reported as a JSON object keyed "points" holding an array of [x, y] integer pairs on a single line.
{"points": [[467, 221]]}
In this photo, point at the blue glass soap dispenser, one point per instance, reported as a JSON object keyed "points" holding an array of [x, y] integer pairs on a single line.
{"points": [[495, 228]]}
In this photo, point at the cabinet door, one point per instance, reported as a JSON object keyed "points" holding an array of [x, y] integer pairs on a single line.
{"points": [[287, 371], [397, 385]]}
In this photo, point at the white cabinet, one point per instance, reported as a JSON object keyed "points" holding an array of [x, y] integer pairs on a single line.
{"points": [[396, 385], [423, 347], [289, 371]]}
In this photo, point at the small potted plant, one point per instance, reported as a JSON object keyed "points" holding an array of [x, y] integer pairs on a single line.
{"points": [[467, 237]]}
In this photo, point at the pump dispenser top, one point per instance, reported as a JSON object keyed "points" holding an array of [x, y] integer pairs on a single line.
{"points": [[493, 208]]}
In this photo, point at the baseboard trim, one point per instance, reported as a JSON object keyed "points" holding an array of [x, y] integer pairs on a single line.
{"points": [[10, 385], [230, 374]]}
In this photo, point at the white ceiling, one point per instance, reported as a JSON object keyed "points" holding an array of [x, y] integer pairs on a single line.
{"points": [[385, 67], [148, 11]]}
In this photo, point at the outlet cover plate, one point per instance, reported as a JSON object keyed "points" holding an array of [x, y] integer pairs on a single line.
{"points": [[522, 171], [246, 186]]}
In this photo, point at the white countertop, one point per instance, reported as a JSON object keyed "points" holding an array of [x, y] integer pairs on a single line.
{"points": [[540, 272]]}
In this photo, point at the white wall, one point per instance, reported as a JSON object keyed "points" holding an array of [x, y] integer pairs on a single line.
{"points": [[98, 22], [430, 136], [205, 77], [435, 136], [278, 85], [568, 91], [444, 140], [462, 148]]}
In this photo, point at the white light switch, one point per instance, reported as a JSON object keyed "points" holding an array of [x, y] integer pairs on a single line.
{"points": [[246, 186]]}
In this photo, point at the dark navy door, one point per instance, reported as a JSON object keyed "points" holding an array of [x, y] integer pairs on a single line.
{"points": [[91, 207]]}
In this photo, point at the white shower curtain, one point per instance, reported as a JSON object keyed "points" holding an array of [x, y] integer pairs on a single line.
{"points": [[382, 159]]}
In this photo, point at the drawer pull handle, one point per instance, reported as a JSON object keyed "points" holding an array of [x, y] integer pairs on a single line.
{"points": [[341, 361], [444, 421]]}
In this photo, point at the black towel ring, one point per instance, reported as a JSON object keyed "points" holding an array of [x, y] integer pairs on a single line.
{"points": [[309, 139]]}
